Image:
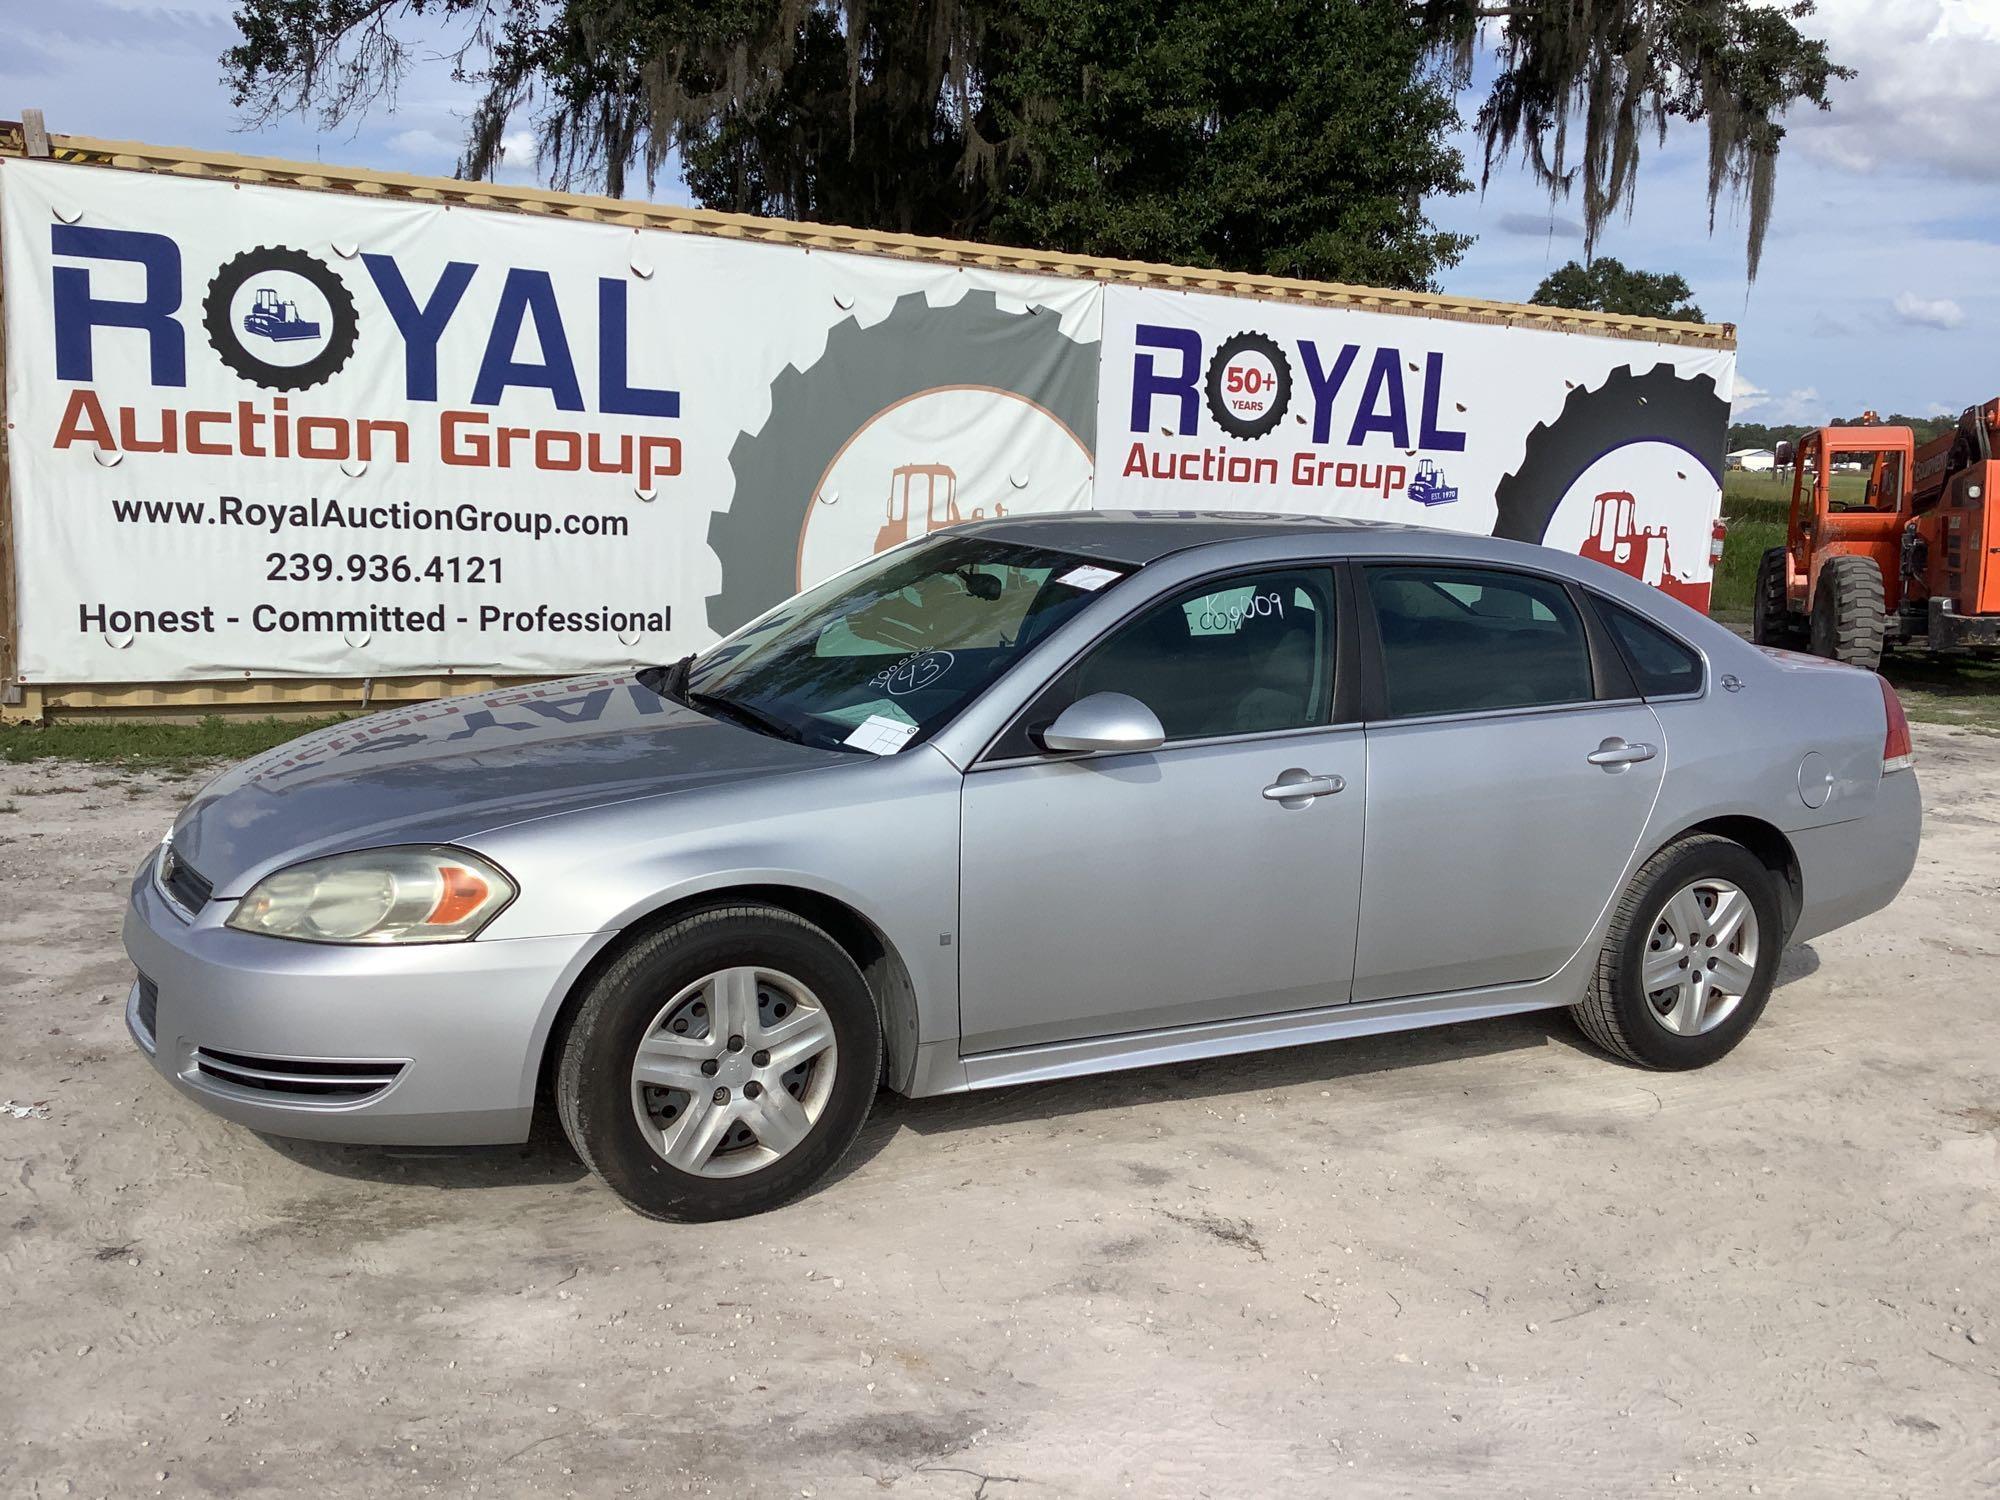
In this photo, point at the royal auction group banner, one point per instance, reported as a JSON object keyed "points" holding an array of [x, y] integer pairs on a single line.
{"points": [[266, 431]]}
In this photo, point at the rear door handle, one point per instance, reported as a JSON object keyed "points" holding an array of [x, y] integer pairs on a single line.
{"points": [[1614, 754], [1297, 788]]}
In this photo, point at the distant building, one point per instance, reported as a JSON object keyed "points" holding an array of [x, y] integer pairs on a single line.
{"points": [[1756, 460]]}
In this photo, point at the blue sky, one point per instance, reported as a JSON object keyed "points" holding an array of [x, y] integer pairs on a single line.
{"points": [[1881, 278]]}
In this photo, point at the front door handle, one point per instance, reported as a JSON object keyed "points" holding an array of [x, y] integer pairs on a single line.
{"points": [[1296, 788], [1615, 754]]}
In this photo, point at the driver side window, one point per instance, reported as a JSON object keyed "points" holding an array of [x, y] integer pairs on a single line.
{"points": [[1243, 655]]}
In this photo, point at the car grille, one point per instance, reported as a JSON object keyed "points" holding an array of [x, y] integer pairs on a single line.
{"points": [[148, 1010], [304, 1079], [188, 889]]}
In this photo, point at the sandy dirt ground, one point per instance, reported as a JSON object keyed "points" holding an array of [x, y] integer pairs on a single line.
{"points": [[1482, 1261]]}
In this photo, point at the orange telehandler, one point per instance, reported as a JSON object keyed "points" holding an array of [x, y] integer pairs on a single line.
{"points": [[1911, 554]]}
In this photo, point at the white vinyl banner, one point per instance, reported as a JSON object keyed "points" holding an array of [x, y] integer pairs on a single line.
{"points": [[259, 431], [1602, 446]]}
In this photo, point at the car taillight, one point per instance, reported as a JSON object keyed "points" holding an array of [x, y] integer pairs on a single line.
{"points": [[1897, 754], [1717, 535]]}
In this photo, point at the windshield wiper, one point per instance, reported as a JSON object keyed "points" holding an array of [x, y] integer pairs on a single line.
{"points": [[669, 681], [743, 713]]}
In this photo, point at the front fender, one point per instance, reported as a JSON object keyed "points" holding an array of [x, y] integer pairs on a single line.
{"points": [[880, 838]]}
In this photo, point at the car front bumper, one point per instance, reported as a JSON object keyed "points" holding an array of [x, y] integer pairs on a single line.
{"points": [[417, 1045]]}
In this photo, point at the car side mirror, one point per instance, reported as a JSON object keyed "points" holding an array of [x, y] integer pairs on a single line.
{"points": [[1105, 721], [1782, 455]]}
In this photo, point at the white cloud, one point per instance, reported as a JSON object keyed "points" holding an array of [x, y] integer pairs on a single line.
{"points": [[421, 142], [1929, 312], [1923, 97], [1753, 403]]}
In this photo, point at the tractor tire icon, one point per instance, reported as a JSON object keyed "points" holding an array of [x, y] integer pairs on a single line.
{"points": [[1217, 400], [970, 344], [278, 320], [1659, 406]]}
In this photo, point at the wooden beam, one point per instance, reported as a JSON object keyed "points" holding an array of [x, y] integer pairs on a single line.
{"points": [[132, 156]]}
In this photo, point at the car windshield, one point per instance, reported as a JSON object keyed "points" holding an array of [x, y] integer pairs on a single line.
{"points": [[888, 652]]}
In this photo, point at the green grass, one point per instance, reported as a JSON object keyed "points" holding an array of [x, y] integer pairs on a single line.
{"points": [[1755, 506], [1961, 690], [152, 747]]}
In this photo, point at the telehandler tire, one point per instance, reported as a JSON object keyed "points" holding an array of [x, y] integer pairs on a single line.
{"points": [[1772, 622], [1847, 612]]}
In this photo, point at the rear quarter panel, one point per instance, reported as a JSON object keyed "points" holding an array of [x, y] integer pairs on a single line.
{"points": [[1739, 751]]}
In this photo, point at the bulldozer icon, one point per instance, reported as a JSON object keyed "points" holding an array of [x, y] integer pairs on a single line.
{"points": [[277, 319], [1429, 488], [1618, 539], [939, 508]]}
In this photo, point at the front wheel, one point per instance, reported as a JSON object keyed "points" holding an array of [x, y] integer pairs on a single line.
{"points": [[720, 1066], [1848, 618], [1688, 962]]}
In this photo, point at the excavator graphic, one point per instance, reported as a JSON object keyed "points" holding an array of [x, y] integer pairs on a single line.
{"points": [[1617, 539], [278, 320], [940, 503]]}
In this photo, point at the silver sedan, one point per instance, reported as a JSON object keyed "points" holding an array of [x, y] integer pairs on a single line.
{"points": [[1021, 800]]}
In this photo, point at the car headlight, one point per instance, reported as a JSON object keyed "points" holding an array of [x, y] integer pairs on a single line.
{"points": [[408, 895]]}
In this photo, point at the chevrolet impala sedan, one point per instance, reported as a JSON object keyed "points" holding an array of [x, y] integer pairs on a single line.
{"points": [[1021, 800]]}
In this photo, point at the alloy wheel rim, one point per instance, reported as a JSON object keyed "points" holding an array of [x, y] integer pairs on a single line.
{"points": [[733, 1072], [1700, 958]]}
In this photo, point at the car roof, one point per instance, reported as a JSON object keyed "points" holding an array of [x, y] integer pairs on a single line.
{"points": [[1138, 537]]}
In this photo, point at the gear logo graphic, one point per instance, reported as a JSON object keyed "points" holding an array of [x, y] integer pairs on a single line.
{"points": [[927, 417], [1661, 407], [1248, 386], [280, 318]]}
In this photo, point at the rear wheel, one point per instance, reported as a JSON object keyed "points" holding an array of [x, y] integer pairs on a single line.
{"points": [[721, 1066], [1771, 620], [1847, 612], [1688, 962]]}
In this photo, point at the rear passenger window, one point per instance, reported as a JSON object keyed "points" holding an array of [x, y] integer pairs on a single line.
{"points": [[1661, 665], [1463, 640]]}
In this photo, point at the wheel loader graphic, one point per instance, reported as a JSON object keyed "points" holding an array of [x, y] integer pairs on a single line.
{"points": [[277, 319], [1429, 488], [940, 503]]}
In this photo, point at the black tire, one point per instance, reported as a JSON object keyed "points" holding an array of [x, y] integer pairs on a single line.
{"points": [[1616, 1013], [1848, 618], [1656, 407], [227, 340], [1772, 622], [1216, 400], [861, 372], [593, 1082]]}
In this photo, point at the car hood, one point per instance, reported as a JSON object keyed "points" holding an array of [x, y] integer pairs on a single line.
{"points": [[449, 770]]}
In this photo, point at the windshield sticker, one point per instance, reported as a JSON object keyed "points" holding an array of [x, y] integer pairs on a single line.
{"points": [[1090, 579], [914, 672], [881, 736]]}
